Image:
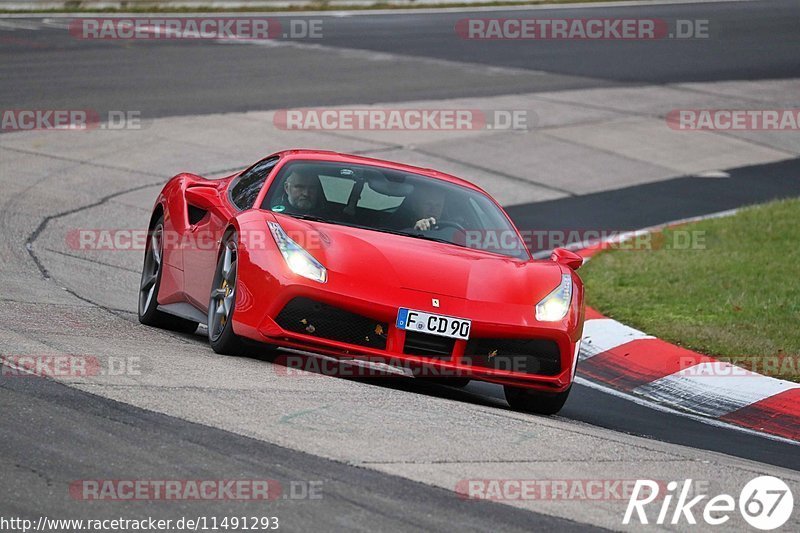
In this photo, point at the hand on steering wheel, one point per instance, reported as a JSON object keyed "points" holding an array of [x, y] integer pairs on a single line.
{"points": [[424, 224], [431, 223]]}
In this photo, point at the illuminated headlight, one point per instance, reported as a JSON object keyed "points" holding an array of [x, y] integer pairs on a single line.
{"points": [[555, 305], [300, 261]]}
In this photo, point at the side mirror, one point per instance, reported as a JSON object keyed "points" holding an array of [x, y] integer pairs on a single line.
{"points": [[567, 258], [203, 197]]}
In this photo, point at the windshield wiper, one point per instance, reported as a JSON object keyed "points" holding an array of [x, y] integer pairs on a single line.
{"points": [[313, 218], [415, 235]]}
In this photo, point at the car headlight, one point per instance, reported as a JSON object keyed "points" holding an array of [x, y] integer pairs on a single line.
{"points": [[299, 261], [554, 306]]}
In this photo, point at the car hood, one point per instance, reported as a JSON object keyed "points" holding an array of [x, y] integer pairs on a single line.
{"points": [[383, 259]]}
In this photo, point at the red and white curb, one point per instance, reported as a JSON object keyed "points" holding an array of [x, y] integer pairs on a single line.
{"points": [[636, 363], [633, 362]]}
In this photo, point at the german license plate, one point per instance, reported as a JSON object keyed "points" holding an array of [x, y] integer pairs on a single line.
{"points": [[422, 322]]}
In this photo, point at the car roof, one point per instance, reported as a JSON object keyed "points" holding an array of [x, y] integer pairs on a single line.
{"points": [[337, 157]]}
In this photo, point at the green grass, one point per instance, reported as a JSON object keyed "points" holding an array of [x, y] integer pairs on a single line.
{"points": [[735, 294], [155, 6]]}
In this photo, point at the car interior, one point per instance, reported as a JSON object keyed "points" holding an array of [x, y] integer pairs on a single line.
{"points": [[382, 199]]}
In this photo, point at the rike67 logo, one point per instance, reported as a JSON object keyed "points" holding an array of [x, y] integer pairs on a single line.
{"points": [[765, 503]]}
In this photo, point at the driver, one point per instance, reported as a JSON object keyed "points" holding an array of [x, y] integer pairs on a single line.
{"points": [[422, 208], [302, 191]]}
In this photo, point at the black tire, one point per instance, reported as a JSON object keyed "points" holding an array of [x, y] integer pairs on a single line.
{"points": [[531, 401], [222, 301], [149, 315]]}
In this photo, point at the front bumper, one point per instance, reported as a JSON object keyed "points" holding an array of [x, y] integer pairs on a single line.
{"points": [[377, 339]]}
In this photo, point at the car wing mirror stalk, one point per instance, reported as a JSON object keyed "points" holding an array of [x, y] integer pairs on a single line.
{"points": [[567, 258]]}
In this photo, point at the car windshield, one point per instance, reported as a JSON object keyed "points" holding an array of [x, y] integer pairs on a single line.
{"points": [[393, 201]]}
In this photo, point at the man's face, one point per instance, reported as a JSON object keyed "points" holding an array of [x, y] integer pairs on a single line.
{"points": [[302, 191], [429, 203]]}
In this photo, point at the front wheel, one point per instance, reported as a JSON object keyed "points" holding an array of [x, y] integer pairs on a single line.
{"points": [[223, 301], [533, 401]]}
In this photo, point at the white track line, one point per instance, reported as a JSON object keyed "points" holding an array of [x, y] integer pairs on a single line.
{"points": [[714, 388], [664, 409]]}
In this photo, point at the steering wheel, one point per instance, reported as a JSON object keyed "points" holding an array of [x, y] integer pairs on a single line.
{"points": [[440, 224]]}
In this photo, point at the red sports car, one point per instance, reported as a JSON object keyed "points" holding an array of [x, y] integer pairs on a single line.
{"points": [[364, 259]]}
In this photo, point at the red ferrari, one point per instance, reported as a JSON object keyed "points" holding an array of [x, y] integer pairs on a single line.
{"points": [[353, 257]]}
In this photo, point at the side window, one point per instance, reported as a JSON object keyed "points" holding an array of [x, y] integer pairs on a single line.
{"points": [[336, 189], [379, 202], [247, 186]]}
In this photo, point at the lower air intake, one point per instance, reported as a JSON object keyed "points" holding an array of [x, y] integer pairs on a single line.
{"points": [[310, 317], [529, 356]]}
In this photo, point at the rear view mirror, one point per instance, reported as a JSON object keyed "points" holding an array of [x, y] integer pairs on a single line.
{"points": [[569, 259], [379, 183]]}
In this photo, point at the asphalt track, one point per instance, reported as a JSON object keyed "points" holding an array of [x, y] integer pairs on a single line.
{"points": [[651, 204], [39, 415], [56, 434], [748, 40]]}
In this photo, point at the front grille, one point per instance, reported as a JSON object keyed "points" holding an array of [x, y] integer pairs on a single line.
{"points": [[426, 345], [530, 356], [309, 317]]}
